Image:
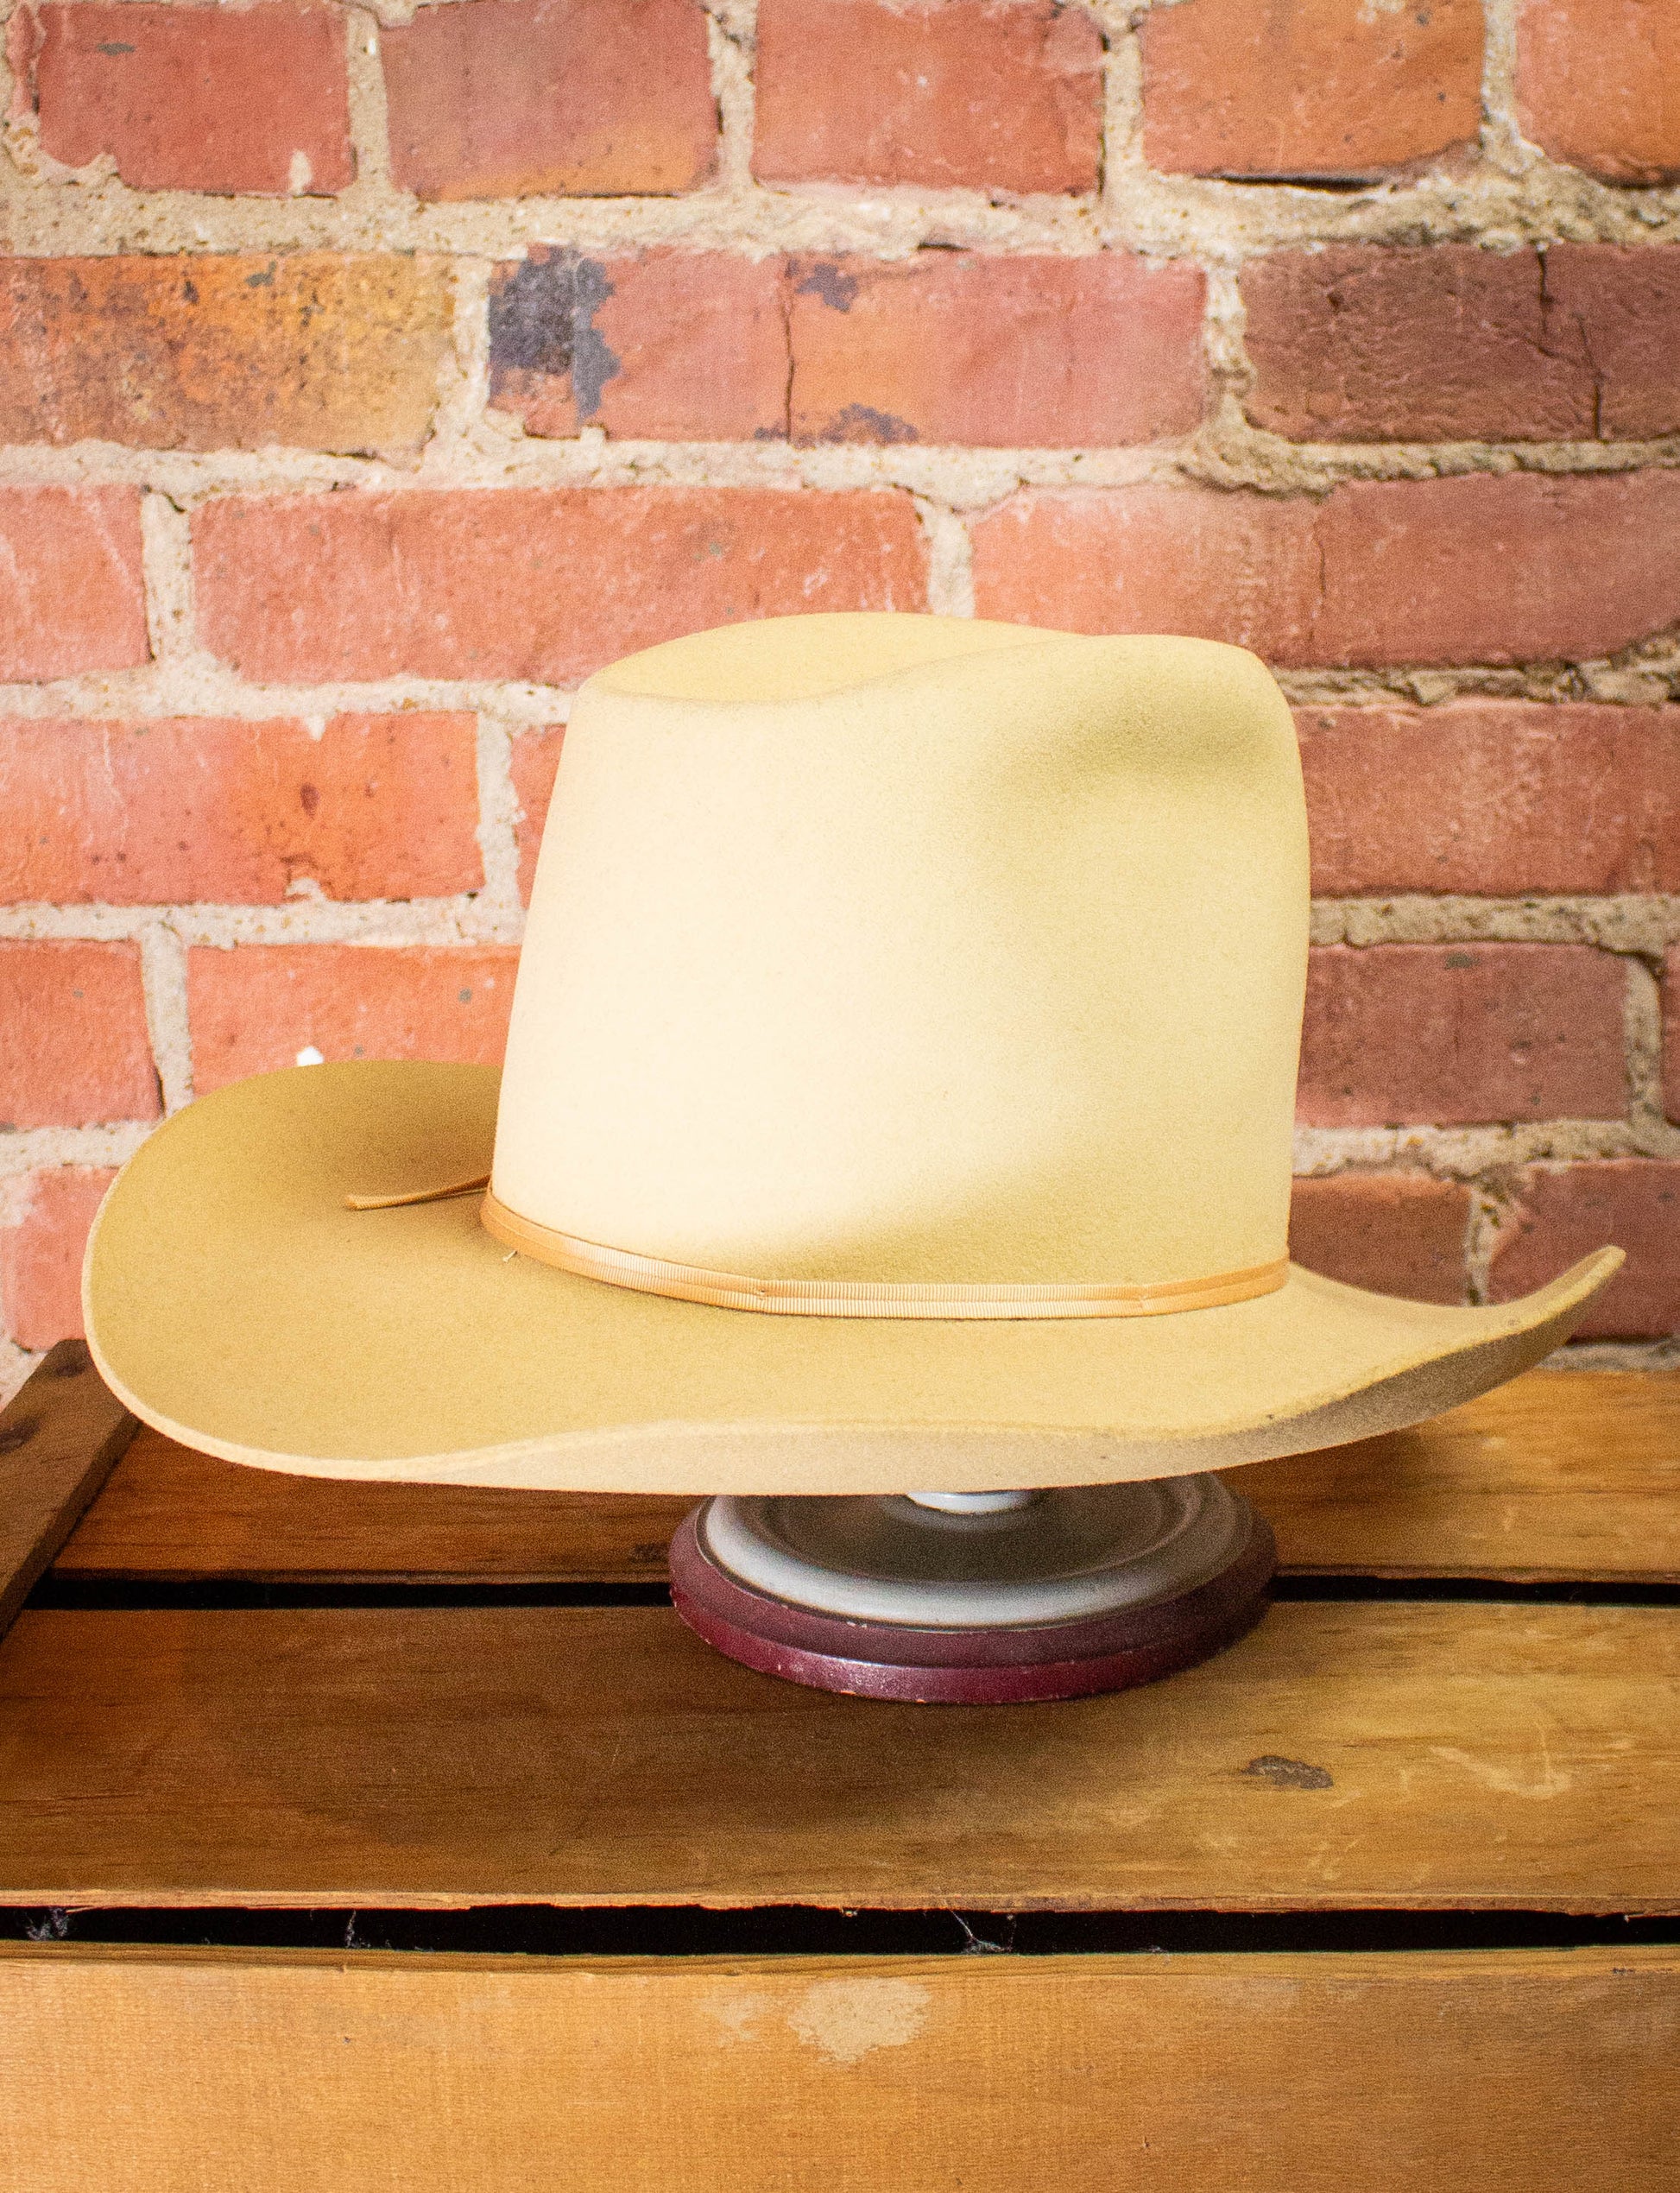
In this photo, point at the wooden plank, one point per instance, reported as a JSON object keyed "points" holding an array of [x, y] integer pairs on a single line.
{"points": [[172, 1515], [1559, 1475], [1342, 1756], [60, 1437], [1564, 1475], [305, 2072]]}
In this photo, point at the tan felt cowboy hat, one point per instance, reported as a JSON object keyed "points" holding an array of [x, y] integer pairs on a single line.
{"points": [[899, 1094]]}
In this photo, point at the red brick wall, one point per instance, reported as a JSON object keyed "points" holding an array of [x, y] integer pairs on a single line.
{"points": [[363, 387]]}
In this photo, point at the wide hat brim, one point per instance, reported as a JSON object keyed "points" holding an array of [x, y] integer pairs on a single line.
{"points": [[234, 1303]]}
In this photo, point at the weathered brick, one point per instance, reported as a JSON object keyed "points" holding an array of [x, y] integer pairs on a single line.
{"points": [[1484, 567], [1494, 799], [536, 757], [522, 98], [74, 1047], [251, 100], [256, 1007], [40, 1253], [1397, 1233], [967, 347], [1563, 1213], [1331, 88], [164, 810], [1005, 97], [950, 347], [1439, 345], [1397, 1034], [1454, 343], [531, 583], [1598, 85], [72, 595], [684, 345], [222, 353]]}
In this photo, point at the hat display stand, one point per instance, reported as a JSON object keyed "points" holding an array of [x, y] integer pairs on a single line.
{"points": [[975, 1598]]}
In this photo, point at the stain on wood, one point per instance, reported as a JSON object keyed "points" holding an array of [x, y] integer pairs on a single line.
{"points": [[1290, 1773]]}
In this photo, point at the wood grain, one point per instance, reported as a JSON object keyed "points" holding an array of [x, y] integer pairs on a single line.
{"points": [[1559, 1475], [1452, 1756], [174, 1515], [60, 1437], [305, 2072]]}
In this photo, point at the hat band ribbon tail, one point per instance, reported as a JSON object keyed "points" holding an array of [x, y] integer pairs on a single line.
{"points": [[869, 1298]]}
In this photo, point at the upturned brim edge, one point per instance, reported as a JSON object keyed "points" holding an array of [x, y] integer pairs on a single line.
{"points": [[233, 1304]]}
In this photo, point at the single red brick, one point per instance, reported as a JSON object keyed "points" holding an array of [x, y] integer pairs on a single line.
{"points": [[1459, 1034], [1598, 85], [1497, 568], [1484, 567], [1448, 344], [966, 347], [684, 345], [1563, 1213], [257, 1006], [1396, 1233], [1626, 303], [1215, 565], [40, 1254], [1334, 88], [162, 809], [531, 583], [522, 98], [1495, 798], [72, 595], [1454, 343], [249, 99], [222, 352], [536, 757], [74, 1047], [1001, 95]]}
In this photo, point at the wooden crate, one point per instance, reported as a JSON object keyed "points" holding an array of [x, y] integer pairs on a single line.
{"points": [[1384, 1894]]}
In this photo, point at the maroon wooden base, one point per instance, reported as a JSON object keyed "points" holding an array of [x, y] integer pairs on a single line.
{"points": [[995, 1667]]}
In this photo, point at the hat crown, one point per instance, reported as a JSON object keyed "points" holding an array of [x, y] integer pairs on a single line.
{"points": [[903, 949]]}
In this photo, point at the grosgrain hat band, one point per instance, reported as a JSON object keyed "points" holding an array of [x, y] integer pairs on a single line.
{"points": [[869, 1298]]}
